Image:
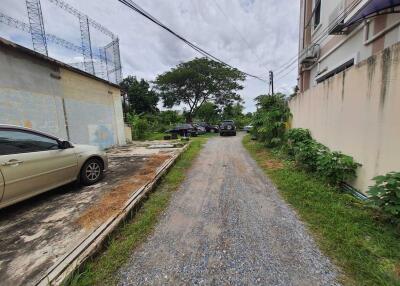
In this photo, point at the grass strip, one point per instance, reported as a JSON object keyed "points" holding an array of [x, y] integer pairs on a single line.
{"points": [[366, 250], [103, 269]]}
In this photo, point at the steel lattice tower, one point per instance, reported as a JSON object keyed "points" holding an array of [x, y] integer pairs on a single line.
{"points": [[117, 61], [37, 26], [86, 44]]}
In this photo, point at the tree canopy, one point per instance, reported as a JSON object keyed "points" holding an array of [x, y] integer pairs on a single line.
{"points": [[141, 98], [197, 81]]}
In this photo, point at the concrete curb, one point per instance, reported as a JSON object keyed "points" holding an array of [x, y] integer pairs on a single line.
{"points": [[77, 255]]}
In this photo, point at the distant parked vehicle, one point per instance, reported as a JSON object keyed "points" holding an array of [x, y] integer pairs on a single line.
{"points": [[33, 162], [227, 127], [209, 127], [247, 128], [183, 130], [200, 129]]}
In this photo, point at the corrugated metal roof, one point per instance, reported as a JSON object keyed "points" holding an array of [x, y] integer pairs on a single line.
{"points": [[371, 8]]}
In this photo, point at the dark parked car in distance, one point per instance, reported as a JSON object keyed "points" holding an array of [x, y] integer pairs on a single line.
{"points": [[227, 127], [183, 130], [209, 127]]}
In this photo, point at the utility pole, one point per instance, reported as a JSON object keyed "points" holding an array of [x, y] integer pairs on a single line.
{"points": [[271, 81]]}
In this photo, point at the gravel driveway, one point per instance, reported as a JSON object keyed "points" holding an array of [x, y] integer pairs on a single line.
{"points": [[227, 225]]}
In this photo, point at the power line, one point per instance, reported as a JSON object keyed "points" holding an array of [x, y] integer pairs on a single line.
{"points": [[237, 30], [287, 73], [144, 13]]}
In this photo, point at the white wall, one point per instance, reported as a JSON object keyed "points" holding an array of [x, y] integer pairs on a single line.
{"points": [[42, 96], [358, 112]]}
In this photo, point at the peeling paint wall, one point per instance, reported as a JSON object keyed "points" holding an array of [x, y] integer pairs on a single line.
{"points": [[358, 112], [43, 96]]}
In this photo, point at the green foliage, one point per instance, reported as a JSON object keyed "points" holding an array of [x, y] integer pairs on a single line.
{"points": [[208, 112], [141, 98], [385, 194], [170, 117], [315, 157], [198, 81], [140, 126], [270, 119], [295, 136], [151, 126], [336, 167], [307, 154]]}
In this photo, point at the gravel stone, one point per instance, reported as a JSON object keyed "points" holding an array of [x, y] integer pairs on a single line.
{"points": [[227, 225]]}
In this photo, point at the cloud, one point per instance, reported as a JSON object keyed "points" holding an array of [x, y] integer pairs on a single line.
{"points": [[252, 35]]}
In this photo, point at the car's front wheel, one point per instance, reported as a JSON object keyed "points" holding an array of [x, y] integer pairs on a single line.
{"points": [[92, 172]]}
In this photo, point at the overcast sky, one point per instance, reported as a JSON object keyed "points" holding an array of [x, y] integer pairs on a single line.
{"points": [[252, 35]]}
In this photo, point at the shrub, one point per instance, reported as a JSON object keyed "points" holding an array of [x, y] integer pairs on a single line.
{"points": [[336, 167], [385, 194], [270, 119], [140, 126], [307, 154], [295, 136], [316, 157]]}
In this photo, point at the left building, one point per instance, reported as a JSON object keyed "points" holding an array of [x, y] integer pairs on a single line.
{"points": [[42, 93]]}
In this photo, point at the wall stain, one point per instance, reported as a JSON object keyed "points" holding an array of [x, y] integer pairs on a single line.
{"points": [[371, 62], [386, 65], [343, 84]]}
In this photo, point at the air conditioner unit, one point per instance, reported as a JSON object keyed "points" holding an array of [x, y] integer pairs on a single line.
{"points": [[310, 55]]}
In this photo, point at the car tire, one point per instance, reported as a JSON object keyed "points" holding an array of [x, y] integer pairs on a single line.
{"points": [[234, 134], [91, 172]]}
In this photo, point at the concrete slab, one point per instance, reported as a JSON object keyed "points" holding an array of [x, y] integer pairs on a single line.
{"points": [[36, 233]]}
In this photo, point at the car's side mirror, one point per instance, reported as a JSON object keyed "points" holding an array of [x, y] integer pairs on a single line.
{"points": [[64, 145]]}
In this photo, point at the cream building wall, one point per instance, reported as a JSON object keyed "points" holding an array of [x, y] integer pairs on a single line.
{"points": [[41, 94], [359, 44], [358, 112]]}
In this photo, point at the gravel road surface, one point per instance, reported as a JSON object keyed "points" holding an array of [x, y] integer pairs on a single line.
{"points": [[227, 225]]}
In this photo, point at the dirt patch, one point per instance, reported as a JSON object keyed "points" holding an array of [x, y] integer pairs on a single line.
{"points": [[272, 164], [397, 270], [112, 202]]}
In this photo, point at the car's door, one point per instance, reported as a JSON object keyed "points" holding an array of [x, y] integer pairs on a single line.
{"points": [[32, 163]]}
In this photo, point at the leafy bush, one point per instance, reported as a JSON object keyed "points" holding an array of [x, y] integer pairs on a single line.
{"points": [[385, 194], [307, 153], [295, 136], [315, 157], [336, 167], [140, 126], [270, 119]]}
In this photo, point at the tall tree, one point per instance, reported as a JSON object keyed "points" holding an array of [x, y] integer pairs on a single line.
{"points": [[208, 112], [197, 81], [141, 98]]}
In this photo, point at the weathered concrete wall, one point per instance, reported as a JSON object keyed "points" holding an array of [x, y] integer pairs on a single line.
{"points": [[358, 112], [38, 94]]}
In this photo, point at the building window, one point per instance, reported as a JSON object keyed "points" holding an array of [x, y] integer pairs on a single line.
{"points": [[317, 13]]}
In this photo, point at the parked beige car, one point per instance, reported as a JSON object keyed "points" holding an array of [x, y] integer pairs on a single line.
{"points": [[32, 162]]}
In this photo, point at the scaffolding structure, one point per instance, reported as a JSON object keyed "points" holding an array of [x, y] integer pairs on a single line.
{"points": [[36, 24], [103, 62]]}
